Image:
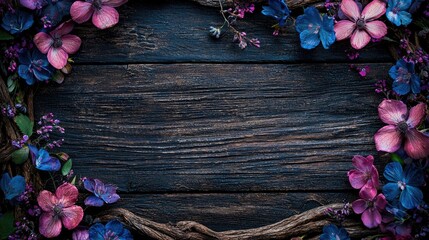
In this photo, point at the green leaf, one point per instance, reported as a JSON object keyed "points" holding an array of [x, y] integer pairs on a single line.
{"points": [[20, 155], [25, 124], [396, 158], [73, 182], [6, 225], [11, 84], [5, 36], [66, 167]]}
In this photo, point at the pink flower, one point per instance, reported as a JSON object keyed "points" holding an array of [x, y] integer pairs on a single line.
{"points": [[361, 26], [58, 210], [370, 208], [58, 44], [365, 176], [402, 127], [103, 12]]}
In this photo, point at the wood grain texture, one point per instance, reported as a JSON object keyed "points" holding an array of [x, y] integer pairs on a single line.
{"points": [[216, 127], [177, 31]]}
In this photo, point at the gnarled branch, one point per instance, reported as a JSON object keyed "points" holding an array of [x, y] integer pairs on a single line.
{"points": [[309, 224]]}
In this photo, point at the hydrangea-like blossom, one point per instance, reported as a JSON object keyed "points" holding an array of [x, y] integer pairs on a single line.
{"points": [[103, 193], [401, 128], [361, 26], [59, 209], [103, 12], [365, 176], [58, 44], [370, 207]]}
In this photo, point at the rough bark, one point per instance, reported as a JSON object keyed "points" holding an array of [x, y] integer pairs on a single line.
{"points": [[308, 224]]}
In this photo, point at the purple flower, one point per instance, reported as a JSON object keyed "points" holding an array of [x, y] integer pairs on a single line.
{"points": [[370, 208], [365, 176], [402, 127], [103, 193], [80, 233]]}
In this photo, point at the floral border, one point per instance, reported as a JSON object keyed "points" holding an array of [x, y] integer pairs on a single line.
{"points": [[37, 41]]}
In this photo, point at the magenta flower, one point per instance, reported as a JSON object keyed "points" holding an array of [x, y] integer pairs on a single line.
{"points": [[370, 208], [402, 128], [58, 44], [58, 210], [361, 26], [365, 176], [103, 12]]}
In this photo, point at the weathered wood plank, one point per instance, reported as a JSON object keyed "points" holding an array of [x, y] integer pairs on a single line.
{"points": [[227, 211], [216, 127], [177, 31]]}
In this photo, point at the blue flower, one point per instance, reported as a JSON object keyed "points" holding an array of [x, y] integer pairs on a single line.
{"points": [[403, 184], [17, 21], [397, 12], [103, 193], [332, 232], [12, 187], [405, 78], [278, 10], [34, 66], [55, 10], [313, 28], [43, 161], [112, 230]]}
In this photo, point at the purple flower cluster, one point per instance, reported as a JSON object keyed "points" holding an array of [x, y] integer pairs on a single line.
{"points": [[8, 111], [49, 124], [24, 230], [20, 142]]}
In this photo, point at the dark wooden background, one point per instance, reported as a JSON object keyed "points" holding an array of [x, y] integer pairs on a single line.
{"points": [[191, 128]]}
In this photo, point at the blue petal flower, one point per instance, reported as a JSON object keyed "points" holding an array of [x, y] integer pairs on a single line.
{"points": [[403, 184], [12, 187], [113, 230], [397, 13], [17, 21], [405, 78], [278, 10], [103, 193], [55, 10], [43, 161], [313, 29], [34, 66], [332, 232]]}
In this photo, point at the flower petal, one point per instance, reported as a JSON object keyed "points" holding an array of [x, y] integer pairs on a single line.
{"points": [[344, 29], [49, 226], [388, 139], [89, 184], [415, 84], [393, 172], [105, 17], [416, 144], [94, 201], [392, 111], [71, 43], [46, 200], [391, 191], [357, 178], [72, 216], [380, 202], [359, 39], [350, 9], [63, 29], [416, 115], [359, 206], [363, 163], [81, 11], [327, 34], [67, 194], [374, 10], [96, 232], [57, 57], [43, 42], [115, 226], [401, 88], [377, 29], [411, 197], [309, 40], [371, 218], [113, 3]]}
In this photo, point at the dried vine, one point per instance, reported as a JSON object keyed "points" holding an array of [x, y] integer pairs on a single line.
{"points": [[308, 224]]}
